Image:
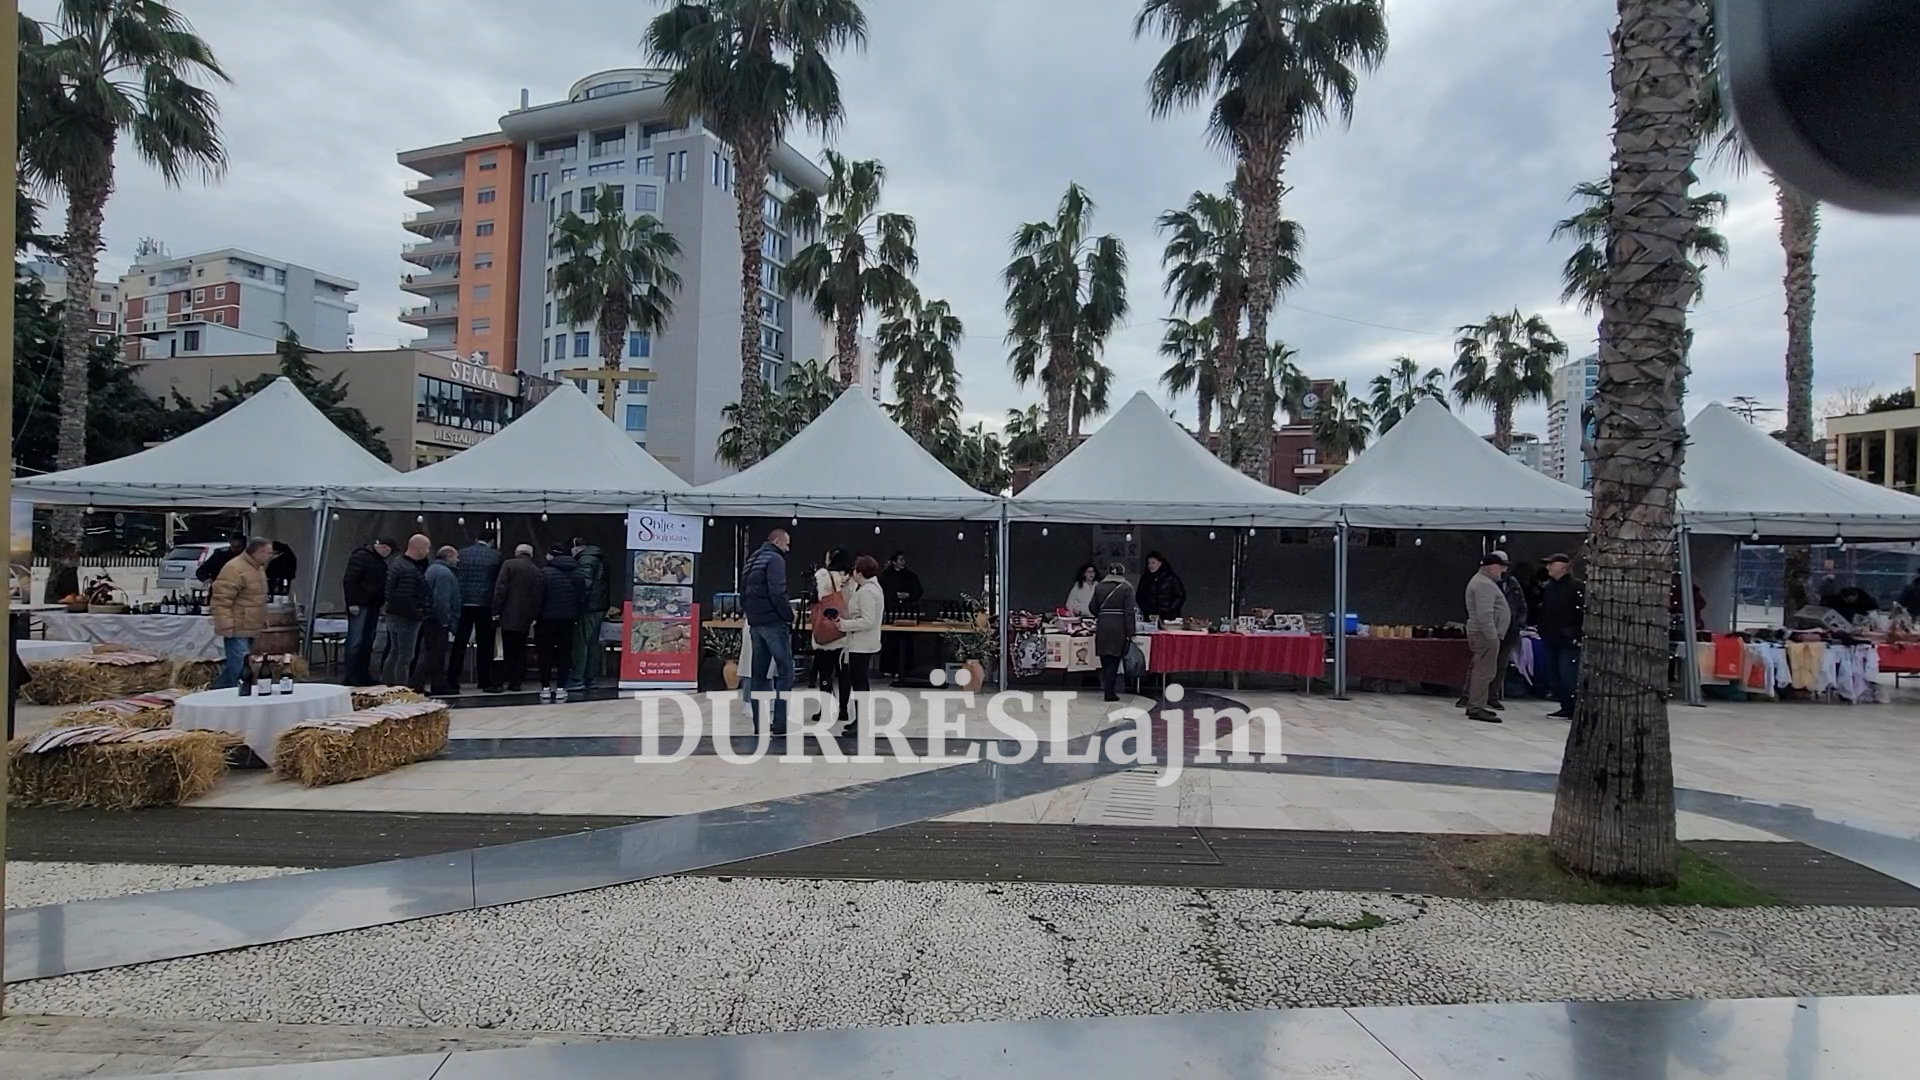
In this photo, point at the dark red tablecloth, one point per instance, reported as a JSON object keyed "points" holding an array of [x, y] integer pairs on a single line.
{"points": [[1267, 654], [1439, 661], [1901, 658]]}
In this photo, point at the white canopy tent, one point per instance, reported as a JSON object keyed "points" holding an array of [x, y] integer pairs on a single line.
{"points": [[563, 456], [1432, 472], [852, 461], [272, 450], [1142, 467], [1738, 481]]}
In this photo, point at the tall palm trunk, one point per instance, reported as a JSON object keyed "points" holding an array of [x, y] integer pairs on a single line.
{"points": [[87, 206], [613, 340], [1226, 346], [846, 342], [1258, 189], [752, 154], [1502, 425], [1206, 413], [1799, 230], [1613, 813], [1059, 397]]}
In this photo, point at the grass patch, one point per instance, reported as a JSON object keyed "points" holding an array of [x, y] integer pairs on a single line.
{"points": [[1367, 921], [1525, 868]]}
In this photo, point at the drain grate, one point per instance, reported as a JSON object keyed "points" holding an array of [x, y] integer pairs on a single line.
{"points": [[1134, 797]]}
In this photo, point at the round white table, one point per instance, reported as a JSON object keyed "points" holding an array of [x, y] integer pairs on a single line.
{"points": [[261, 718], [35, 649]]}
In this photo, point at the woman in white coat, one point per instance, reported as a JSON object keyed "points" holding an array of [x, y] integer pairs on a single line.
{"points": [[861, 624], [834, 577]]}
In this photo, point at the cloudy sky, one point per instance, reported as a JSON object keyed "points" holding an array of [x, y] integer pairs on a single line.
{"points": [[1433, 209]]}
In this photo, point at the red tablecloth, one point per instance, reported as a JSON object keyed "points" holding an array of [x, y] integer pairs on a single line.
{"points": [[1439, 661], [1901, 658], [1270, 654]]}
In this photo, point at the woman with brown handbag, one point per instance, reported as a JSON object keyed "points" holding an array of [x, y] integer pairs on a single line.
{"points": [[830, 583]]}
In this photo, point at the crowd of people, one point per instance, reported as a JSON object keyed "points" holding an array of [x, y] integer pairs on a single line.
{"points": [[1499, 607], [413, 612]]}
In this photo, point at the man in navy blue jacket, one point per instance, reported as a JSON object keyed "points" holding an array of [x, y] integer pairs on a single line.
{"points": [[763, 599]]}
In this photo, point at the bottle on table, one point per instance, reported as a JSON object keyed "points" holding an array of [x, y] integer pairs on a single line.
{"points": [[286, 675], [245, 688]]}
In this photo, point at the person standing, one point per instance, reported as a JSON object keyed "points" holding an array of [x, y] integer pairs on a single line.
{"points": [[763, 599], [239, 603], [364, 586], [866, 607], [1114, 609], [1487, 620], [478, 569], [832, 578], [401, 612], [1080, 595], [903, 592], [1516, 595], [281, 570], [442, 614], [1563, 608], [518, 594], [209, 570], [587, 650], [1162, 594], [563, 597]]}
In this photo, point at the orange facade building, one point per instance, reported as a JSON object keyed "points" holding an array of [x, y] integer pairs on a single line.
{"points": [[466, 262]]}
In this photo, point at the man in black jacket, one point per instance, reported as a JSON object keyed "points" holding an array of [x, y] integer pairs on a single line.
{"points": [[405, 606], [763, 599], [1563, 605], [901, 592], [211, 566], [364, 587]]}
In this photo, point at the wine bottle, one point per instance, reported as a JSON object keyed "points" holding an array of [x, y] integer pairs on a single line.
{"points": [[247, 677], [286, 674]]}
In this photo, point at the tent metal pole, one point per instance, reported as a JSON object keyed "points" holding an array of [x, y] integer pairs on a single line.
{"points": [[1339, 627], [322, 515], [1233, 577], [1001, 587], [1687, 658]]}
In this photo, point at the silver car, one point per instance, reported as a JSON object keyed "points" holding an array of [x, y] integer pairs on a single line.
{"points": [[178, 567]]}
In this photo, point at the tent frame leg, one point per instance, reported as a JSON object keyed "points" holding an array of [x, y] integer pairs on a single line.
{"points": [[1338, 628], [1688, 663]]}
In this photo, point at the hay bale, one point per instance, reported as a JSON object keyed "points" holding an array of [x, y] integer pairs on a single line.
{"points": [[76, 680], [369, 697], [192, 675], [146, 711], [113, 768], [361, 744]]}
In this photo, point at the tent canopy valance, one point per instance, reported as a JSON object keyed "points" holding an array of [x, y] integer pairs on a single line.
{"points": [[852, 461], [273, 450], [1432, 472], [1141, 466], [1738, 480], [563, 456]]}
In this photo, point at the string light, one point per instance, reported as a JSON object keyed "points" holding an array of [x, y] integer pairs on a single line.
{"points": [[1250, 532], [1839, 541], [1417, 541], [1129, 538], [1210, 534], [876, 530], [963, 535], [709, 522], [336, 515], [1755, 538], [420, 518], [543, 515], [795, 521], [1044, 530], [89, 508]]}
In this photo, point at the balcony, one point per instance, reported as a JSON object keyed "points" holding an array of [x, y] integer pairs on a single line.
{"points": [[440, 311], [425, 221], [431, 249], [436, 185], [432, 281]]}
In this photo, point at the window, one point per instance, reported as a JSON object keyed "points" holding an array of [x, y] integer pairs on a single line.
{"points": [[192, 340], [199, 271], [546, 350], [608, 143], [771, 308], [549, 316], [106, 298], [608, 88], [606, 167], [676, 166], [636, 386], [1309, 455], [553, 210], [549, 279], [538, 188], [1307, 489], [484, 228], [718, 179], [481, 326], [199, 296], [775, 246], [450, 404], [103, 318], [769, 277], [279, 277], [619, 193], [484, 195], [482, 260], [770, 210], [639, 343], [219, 292], [566, 202], [643, 166], [559, 150], [482, 292], [646, 199], [770, 340], [636, 418], [582, 341], [220, 317], [567, 175], [559, 346], [489, 162], [586, 199]]}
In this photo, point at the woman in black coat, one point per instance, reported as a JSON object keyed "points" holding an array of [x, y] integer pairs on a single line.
{"points": [[1162, 594], [1114, 625]]}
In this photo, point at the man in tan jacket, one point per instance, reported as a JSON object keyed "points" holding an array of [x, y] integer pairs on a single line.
{"points": [[239, 602], [1488, 617]]}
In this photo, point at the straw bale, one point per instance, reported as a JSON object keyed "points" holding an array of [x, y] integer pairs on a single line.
{"points": [[76, 680], [361, 744], [114, 768]]}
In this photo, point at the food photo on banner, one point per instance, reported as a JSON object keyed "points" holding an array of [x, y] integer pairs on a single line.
{"points": [[659, 640]]}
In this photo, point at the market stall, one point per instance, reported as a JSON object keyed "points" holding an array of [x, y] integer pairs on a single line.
{"points": [[178, 637]]}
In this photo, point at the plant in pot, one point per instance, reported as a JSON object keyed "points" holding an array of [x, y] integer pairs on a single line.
{"points": [[975, 650], [723, 642], [978, 607]]}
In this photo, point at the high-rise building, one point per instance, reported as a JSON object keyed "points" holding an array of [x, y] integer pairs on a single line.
{"points": [[1564, 457], [230, 302], [103, 303], [1527, 449], [613, 133], [466, 265]]}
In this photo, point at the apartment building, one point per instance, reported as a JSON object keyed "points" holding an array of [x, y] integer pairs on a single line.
{"points": [[1564, 455], [465, 266], [103, 303], [229, 302], [612, 132], [1879, 447]]}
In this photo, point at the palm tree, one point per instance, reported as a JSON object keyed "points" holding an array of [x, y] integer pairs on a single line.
{"points": [[1270, 71], [862, 259], [809, 389], [1092, 386], [977, 456], [1284, 387], [102, 71], [617, 275], [1189, 344], [1342, 424], [1503, 362], [1403, 387], [751, 69], [1026, 437], [1066, 291], [1205, 262], [919, 340], [1585, 273], [1613, 813]]}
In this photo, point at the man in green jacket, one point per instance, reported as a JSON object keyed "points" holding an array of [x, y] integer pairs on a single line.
{"points": [[587, 650]]}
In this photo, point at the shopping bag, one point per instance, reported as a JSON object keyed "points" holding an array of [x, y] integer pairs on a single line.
{"points": [[1136, 661], [826, 619]]}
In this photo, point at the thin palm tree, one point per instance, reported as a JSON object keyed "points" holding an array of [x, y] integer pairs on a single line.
{"points": [[100, 72], [1504, 362], [1342, 423], [810, 387], [1284, 386], [919, 340], [1026, 437], [1613, 813], [977, 456], [1066, 292], [862, 259], [1092, 387], [1393, 395], [1269, 71], [1206, 269], [617, 276], [1188, 344], [750, 70], [1585, 273]]}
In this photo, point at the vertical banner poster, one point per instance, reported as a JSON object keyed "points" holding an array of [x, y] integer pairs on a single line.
{"points": [[660, 636]]}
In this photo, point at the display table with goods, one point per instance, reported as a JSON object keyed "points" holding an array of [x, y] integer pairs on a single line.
{"points": [[260, 716], [177, 628], [1273, 645], [1797, 665], [37, 649]]}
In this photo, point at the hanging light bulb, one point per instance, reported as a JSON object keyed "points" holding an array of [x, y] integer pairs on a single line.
{"points": [[1417, 541], [1044, 530], [1250, 532], [1755, 538], [461, 520], [1210, 534], [876, 530], [963, 535], [709, 521], [543, 515], [336, 515], [420, 518], [1839, 541], [89, 508], [1503, 538], [796, 521]]}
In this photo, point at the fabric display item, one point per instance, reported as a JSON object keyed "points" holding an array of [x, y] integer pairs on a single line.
{"points": [[1729, 658], [113, 768], [1029, 655], [364, 743]]}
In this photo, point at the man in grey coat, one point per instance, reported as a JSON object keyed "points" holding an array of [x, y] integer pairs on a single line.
{"points": [[1488, 617], [436, 630]]}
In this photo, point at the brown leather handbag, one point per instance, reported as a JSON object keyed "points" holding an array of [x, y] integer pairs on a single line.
{"points": [[826, 615]]}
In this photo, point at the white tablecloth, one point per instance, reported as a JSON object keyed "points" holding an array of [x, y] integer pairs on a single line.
{"points": [[34, 649], [260, 719], [175, 637]]}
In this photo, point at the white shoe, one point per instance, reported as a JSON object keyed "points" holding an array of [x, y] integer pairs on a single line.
{"points": [[546, 693], [559, 693]]}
